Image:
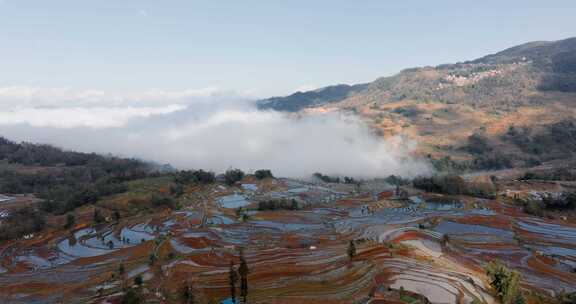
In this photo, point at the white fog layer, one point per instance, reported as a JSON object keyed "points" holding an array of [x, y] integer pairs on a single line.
{"points": [[202, 129]]}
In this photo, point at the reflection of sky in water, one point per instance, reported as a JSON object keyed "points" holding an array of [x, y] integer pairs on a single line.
{"points": [[448, 227], [220, 220], [233, 201], [79, 250], [35, 261], [549, 230], [443, 206], [250, 187], [92, 246], [181, 248], [558, 251], [285, 226]]}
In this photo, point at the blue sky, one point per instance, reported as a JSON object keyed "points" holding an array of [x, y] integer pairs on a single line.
{"points": [[266, 47]]}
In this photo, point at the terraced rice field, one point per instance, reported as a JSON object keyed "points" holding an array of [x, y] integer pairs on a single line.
{"points": [[294, 256]]}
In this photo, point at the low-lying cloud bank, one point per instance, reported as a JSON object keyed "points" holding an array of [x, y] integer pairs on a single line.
{"points": [[206, 129]]}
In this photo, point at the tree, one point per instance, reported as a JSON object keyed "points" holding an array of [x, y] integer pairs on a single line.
{"points": [[121, 269], [98, 218], [177, 190], [121, 273], [504, 281], [187, 293], [243, 271], [132, 296], [351, 250], [232, 176], [151, 259], [232, 279], [70, 220], [138, 281], [116, 216], [263, 173], [161, 200], [519, 299], [294, 205]]}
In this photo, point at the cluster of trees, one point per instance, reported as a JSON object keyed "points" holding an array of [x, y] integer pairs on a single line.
{"points": [[45, 155], [263, 173], [280, 204], [478, 144], [21, 222], [232, 176], [489, 161], [549, 203], [448, 184], [556, 140], [67, 197], [493, 161], [447, 164], [561, 174], [162, 200], [194, 176], [72, 179], [65, 180], [397, 180], [409, 112], [453, 185], [42, 155], [14, 181], [334, 179]]}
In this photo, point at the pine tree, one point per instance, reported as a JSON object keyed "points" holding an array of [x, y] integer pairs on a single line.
{"points": [[232, 277], [187, 293], [243, 271]]}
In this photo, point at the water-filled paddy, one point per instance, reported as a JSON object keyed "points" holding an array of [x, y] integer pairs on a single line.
{"points": [[233, 201]]}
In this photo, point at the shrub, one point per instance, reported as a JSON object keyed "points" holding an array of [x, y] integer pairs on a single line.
{"points": [[533, 208], [282, 204], [160, 200], [326, 178]]}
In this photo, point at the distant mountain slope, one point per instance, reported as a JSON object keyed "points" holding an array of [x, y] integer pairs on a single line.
{"points": [[542, 52], [507, 76], [301, 100], [515, 103]]}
